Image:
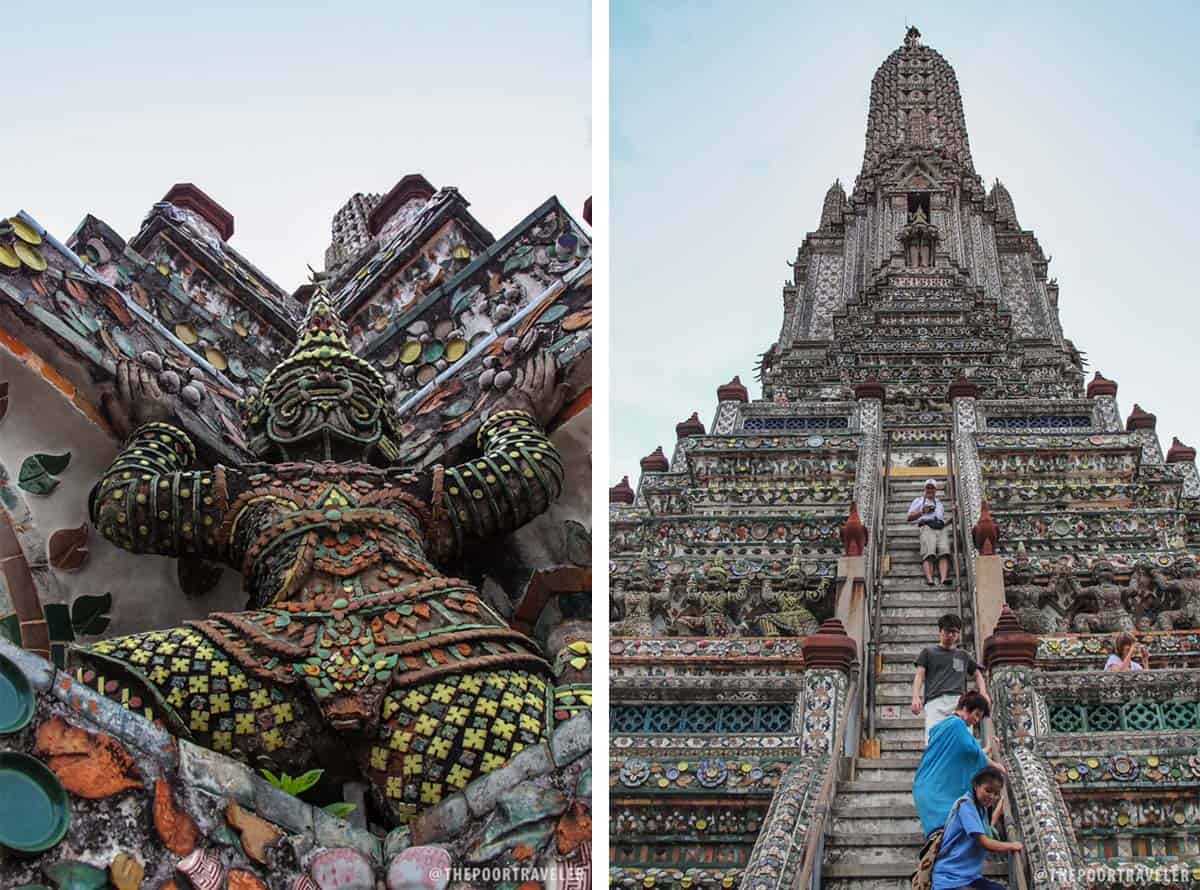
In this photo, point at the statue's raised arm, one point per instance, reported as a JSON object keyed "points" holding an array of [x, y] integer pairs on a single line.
{"points": [[148, 501], [518, 473]]}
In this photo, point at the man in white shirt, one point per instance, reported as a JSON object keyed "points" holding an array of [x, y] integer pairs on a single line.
{"points": [[927, 512]]}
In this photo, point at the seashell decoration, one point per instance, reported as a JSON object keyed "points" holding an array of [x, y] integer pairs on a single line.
{"points": [[192, 394], [169, 381], [304, 882], [203, 869]]}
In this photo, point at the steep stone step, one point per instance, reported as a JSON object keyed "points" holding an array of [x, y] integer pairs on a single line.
{"points": [[900, 723], [874, 805], [905, 529], [884, 820], [876, 787], [911, 839], [902, 650], [916, 612], [902, 655], [887, 872], [908, 630], [884, 765], [908, 558], [828, 883], [913, 585], [893, 692], [914, 745]]}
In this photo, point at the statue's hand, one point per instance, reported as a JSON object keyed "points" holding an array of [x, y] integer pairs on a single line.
{"points": [[136, 400], [536, 390]]}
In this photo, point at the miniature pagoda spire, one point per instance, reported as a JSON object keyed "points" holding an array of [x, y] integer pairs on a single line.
{"points": [[1006, 213], [835, 203]]}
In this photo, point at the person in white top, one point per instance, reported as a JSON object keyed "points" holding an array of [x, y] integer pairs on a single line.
{"points": [[1125, 647], [929, 514]]}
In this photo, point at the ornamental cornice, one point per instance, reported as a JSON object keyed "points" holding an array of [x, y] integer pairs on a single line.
{"points": [[775, 747], [1118, 686], [1069, 744], [770, 650], [1057, 442]]}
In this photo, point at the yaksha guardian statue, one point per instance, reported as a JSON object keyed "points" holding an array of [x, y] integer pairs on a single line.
{"points": [[357, 647]]}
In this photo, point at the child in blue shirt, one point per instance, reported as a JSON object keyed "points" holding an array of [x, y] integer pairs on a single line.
{"points": [[959, 865]]}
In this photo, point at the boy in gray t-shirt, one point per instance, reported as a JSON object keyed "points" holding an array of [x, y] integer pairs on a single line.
{"points": [[943, 670]]}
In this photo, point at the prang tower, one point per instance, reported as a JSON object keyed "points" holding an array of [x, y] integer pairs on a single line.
{"points": [[767, 597]]}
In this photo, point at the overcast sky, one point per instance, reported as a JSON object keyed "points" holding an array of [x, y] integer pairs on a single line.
{"points": [[282, 111], [730, 122]]}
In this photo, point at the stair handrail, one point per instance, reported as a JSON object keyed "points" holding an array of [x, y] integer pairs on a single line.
{"points": [[878, 554], [1018, 863], [955, 529], [1018, 868], [810, 872]]}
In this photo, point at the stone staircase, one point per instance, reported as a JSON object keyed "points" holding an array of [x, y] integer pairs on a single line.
{"points": [[875, 835]]}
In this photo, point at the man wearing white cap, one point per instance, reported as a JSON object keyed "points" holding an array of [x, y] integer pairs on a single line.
{"points": [[927, 512]]}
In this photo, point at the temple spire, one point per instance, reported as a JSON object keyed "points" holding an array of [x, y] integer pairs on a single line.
{"points": [[1006, 211], [835, 203], [915, 103]]}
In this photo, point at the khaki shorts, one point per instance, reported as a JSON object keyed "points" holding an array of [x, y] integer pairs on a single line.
{"points": [[934, 543]]}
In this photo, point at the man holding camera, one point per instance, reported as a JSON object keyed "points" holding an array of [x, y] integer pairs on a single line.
{"points": [[928, 513]]}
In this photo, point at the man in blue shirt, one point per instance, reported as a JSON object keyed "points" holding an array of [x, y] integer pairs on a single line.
{"points": [[959, 865]]}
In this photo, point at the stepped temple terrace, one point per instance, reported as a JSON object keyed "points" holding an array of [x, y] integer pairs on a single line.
{"points": [[768, 598], [296, 586]]}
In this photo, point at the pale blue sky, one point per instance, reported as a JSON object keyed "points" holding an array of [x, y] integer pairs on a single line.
{"points": [[282, 111], [730, 121]]}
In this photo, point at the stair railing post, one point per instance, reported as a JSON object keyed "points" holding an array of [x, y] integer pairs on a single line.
{"points": [[878, 543], [955, 526]]}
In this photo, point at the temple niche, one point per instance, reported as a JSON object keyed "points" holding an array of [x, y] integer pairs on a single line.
{"points": [[762, 663], [296, 585]]}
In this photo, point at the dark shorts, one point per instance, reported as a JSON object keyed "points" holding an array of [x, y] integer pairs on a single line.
{"points": [[983, 884]]}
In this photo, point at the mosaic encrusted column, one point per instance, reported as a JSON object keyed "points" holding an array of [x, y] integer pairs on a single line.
{"points": [[684, 431], [1141, 425], [870, 395], [1181, 463], [1103, 392], [968, 476], [776, 854], [830, 657], [730, 397], [1020, 716]]}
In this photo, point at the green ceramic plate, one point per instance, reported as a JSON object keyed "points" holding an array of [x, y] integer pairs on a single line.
{"points": [[16, 698], [36, 811]]}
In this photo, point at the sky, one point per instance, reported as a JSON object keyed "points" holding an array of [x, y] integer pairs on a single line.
{"points": [[281, 112], [731, 120]]}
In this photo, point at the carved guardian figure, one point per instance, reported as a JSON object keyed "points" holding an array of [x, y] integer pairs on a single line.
{"points": [[356, 646]]}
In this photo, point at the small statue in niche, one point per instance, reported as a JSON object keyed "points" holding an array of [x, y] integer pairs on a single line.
{"points": [[616, 603], [1187, 589], [676, 606], [1029, 603], [638, 608], [1143, 596], [712, 612], [790, 616], [1099, 607]]}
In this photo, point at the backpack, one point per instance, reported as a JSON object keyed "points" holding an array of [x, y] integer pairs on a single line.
{"points": [[922, 878]]}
